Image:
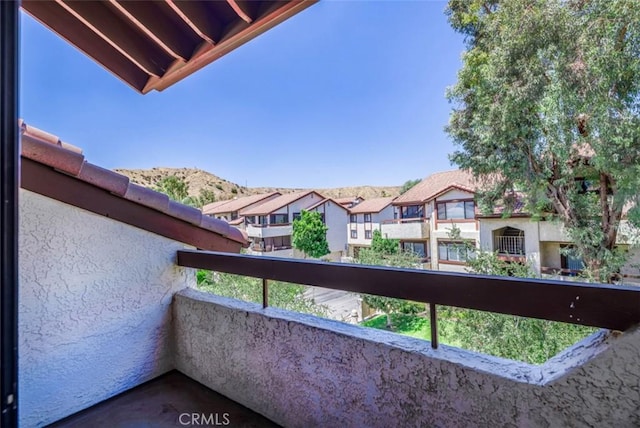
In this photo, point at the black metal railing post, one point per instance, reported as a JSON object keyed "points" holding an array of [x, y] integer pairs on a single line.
{"points": [[265, 293], [434, 325], [9, 169]]}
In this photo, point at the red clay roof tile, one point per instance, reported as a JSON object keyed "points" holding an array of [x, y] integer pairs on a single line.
{"points": [[281, 201], [53, 155], [435, 184], [105, 178], [233, 205], [215, 225], [47, 149], [185, 212], [371, 206], [147, 197]]}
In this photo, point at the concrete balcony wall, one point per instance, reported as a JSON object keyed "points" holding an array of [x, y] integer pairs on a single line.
{"points": [[406, 230], [303, 371], [269, 231], [552, 231], [94, 316]]}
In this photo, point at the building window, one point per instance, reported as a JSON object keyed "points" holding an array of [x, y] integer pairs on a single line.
{"points": [[412, 211], [262, 219], [454, 251], [418, 248], [456, 210], [367, 234], [278, 219], [296, 216], [353, 218], [367, 218], [354, 234]]}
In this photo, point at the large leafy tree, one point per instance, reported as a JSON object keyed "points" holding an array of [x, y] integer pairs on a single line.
{"points": [[547, 104], [310, 234]]}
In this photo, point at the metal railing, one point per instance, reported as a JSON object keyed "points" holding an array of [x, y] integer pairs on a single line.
{"points": [[512, 245], [613, 307], [407, 220]]}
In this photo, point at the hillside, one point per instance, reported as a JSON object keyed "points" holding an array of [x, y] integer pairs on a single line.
{"points": [[198, 179]]}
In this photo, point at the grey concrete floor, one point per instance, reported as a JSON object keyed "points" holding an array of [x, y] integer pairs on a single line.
{"points": [[172, 400]]}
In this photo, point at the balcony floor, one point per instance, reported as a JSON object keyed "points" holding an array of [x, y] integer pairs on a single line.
{"points": [[160, 402]]}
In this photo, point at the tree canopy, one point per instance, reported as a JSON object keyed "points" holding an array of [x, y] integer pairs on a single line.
{"points": [[547, 109], [178, 190], [310, 234], [408, 185]]}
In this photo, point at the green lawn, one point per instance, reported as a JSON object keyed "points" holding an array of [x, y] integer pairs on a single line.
{"points": [[415, 326], [529, 340]]}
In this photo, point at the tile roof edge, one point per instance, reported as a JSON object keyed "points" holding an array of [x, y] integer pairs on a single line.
{"points": [[47, 149], [284, 205]]}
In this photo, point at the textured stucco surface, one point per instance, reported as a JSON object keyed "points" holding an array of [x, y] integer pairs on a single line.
{"points": [[302, 371], [95, 316]]}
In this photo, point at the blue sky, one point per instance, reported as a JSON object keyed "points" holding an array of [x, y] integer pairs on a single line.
{"points": [[346, 93]]}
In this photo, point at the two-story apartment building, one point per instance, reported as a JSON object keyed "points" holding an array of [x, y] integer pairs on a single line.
{"points": [[545, 245], [335, 216], [364, 218], [424, 216], [229, 210], [269, 225]]}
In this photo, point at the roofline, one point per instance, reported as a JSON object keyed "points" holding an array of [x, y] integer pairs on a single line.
{"points": [[284, 205], [49, 182], [500, 216], [222, 205], [429, 199], [324, 202], [372, 212]]}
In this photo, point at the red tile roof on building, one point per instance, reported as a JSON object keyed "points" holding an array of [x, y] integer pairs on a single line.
{"points": [[47, 150], [371, 205], [279, 202], [436, 184], [233, 205], [324, 201]]}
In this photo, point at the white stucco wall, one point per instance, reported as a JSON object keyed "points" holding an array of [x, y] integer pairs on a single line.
{"points": [[454, 194], [303, 371], [95, 316], [530, 228], [336, 218]]}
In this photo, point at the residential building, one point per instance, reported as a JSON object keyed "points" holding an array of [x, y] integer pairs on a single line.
{"points": [[424, 216], [349, 201], [335, 216], [269, 225], [545, 245], [229, 210], [364, 218]]}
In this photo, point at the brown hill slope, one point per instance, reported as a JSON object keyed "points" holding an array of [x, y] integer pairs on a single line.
{"points": [[198, 179]]}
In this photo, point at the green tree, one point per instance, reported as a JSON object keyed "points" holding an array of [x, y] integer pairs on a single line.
{"points": [[548, 103], [386, 252], [281, 294], [310, 234], [173, 187], [205, 197], [178, 190], [408, 185]]}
